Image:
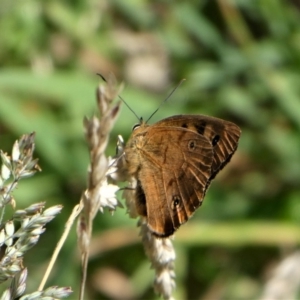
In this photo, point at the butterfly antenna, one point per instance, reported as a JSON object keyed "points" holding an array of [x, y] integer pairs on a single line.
{"points": [[129, 108], [103, 78], [165, 100]]}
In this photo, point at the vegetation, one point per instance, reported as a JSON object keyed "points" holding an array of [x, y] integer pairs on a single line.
{"points": [[241, 62]]}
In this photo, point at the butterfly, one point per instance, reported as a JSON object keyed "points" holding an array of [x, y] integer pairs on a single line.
{"points": [[174, 162]]}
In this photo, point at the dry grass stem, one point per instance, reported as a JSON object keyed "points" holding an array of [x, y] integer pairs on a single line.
{"points": [[76, 211], [16, 240], [162, 255], [99, 193]]}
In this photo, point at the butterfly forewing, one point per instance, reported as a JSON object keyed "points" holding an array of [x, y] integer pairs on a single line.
{"points": [[222, 134]]}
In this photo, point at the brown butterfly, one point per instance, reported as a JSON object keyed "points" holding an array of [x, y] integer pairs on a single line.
{"points": [[174, 162]]}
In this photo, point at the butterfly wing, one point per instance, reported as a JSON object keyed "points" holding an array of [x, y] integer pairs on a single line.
{"points": [[173, 175], [174, 162]]}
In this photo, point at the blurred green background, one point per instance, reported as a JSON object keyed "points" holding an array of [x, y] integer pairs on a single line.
{"points": [[241, 62]]}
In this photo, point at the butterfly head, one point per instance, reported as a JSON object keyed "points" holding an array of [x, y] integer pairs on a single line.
{"points": [[141, 124]]}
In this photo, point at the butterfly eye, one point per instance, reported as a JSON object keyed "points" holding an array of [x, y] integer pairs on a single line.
{"points": [[134, 127]]}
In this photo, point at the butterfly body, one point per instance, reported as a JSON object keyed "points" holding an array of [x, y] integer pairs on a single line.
{"points": [[174, 161]]}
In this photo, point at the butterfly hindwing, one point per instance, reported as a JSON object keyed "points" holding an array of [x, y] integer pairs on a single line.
{"points": [[174, 174]]}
